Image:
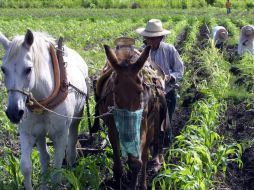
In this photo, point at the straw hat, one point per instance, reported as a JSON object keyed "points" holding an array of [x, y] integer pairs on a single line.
{"points": [[124, 41], [223, 34], [153, 29], [124, 50]]}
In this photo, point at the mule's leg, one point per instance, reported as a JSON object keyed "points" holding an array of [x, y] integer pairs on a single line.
{"points": [[27, 142], [44, 158], [114, 140], [156, 132], [96, 125], [144, 150], [72, 141], [134, 166]]}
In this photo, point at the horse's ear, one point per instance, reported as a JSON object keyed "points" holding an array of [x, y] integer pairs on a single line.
{"points": [[4, 41], [111, 57], [141, 60], [29, 38]]}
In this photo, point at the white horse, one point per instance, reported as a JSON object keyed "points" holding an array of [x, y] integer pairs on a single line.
{"points": [[27, 67]]}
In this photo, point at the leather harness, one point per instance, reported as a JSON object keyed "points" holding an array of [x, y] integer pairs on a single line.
{"points": [[60, 91]]}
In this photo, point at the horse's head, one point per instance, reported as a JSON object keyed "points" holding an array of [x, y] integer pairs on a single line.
{"points": [[128, 86], [18, 70]]}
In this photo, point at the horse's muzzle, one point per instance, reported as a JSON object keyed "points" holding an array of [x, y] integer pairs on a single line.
{"points": [[14, 115]]}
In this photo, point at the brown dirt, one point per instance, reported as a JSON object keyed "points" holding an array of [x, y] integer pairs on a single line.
{"points": [[238, 126]]}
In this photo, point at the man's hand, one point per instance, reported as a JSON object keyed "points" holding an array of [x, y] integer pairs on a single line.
{"points": [[169, 78]]}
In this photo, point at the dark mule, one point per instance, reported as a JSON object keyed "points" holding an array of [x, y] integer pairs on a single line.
{"points": [[128, 89]]}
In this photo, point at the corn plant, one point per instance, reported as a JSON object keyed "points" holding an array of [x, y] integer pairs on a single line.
{"points": [[179, 26], [218, 80], [199, 153], [234, 32]]}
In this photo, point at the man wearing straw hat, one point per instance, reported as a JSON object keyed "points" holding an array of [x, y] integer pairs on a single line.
{"points": [[246, 41], [164, 56], [220, 35]]}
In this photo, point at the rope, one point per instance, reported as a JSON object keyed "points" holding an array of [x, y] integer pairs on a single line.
{"points": [[65, 116], [58, 114]]}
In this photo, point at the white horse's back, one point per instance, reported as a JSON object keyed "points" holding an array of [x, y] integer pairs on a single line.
{"points": [[76, 66]]}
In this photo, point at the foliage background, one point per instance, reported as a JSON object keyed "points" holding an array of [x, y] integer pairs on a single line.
{"points": [[184, 4]]}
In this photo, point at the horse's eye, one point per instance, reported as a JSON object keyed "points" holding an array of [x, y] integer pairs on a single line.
{"points": [[28, 70], [3, 70]]}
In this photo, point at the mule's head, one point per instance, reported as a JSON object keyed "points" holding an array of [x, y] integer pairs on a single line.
{"points": [[128, 86], [18, 72]]}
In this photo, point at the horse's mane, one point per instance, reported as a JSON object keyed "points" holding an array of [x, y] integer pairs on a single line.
{"points": [[39, 48]]}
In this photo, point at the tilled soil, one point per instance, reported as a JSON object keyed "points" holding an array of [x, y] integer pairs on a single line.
{"points": [[238, 126]]}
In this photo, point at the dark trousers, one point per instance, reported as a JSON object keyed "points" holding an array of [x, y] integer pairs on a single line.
{"points": [[171, 104], [219, 46], [228, 10]]}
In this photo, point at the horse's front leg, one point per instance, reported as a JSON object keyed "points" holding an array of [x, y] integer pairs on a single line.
{"points": [[44, 159], [27, 142]]}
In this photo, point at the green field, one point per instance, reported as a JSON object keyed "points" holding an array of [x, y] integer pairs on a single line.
{"points": [[123, 4], [213, 124]]}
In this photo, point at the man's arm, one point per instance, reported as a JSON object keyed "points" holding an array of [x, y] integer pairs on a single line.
{"points": [[177, 67]]}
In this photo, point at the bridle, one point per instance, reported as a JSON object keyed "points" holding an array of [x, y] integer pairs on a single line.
{"points": [[142, 103], [61, 87]]}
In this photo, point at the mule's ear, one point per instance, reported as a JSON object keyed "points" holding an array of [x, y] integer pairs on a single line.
{"points": [[141, 60], [111, 57], [4, 41], [29, 38]]}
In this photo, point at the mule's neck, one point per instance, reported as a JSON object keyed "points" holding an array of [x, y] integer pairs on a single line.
{"points": [[44, 77]]}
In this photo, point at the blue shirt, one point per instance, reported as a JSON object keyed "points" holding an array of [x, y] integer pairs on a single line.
{"points": [[169, 60]]}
